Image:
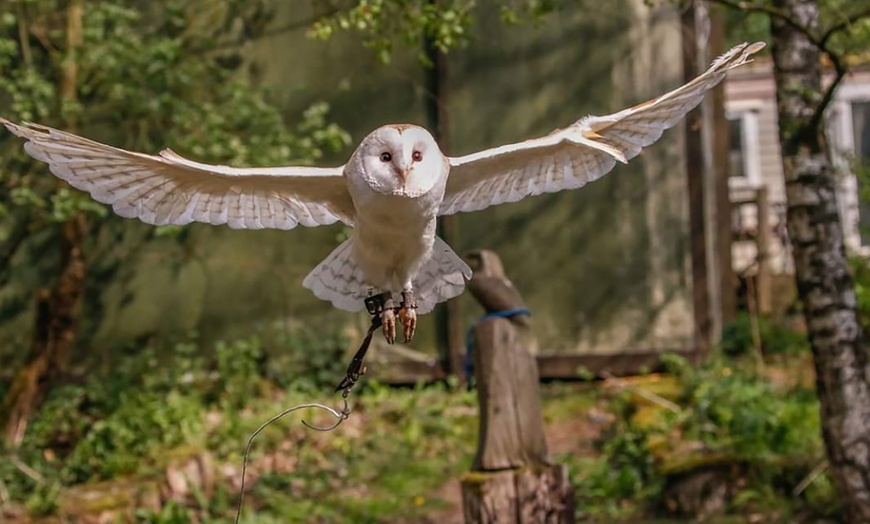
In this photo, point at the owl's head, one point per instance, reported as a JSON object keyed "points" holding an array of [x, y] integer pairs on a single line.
{"points": [[400, 159]]}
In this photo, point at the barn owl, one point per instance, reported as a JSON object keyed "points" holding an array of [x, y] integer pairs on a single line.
{"points": [[391, 191]]}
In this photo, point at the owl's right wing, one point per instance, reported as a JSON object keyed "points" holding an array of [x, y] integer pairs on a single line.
{"points": [[585, 151], [169, 189]]}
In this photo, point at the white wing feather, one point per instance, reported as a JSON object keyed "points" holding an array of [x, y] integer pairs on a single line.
{"points": [[169, 189], [441, 278], [339, 279], [581, 153]]}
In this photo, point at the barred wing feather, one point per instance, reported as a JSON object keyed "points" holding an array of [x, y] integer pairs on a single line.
{"points": [[581, 153], [168, 189]]}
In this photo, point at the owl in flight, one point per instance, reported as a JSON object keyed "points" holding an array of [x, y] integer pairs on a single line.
{"points": [[395, 185]]}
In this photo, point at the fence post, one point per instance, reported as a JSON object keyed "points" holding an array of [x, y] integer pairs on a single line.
{"points": [[762, 242], [512, 479]]}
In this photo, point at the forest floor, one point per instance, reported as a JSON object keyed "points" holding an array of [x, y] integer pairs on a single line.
{"points": [[169, 450]]}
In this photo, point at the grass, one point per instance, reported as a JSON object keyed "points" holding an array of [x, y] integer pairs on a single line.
{"points": [[94, 445], [109, 441]]}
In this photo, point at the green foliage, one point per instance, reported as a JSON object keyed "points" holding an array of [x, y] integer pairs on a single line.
{"points": [[726, 414], [123, 422], [861, 273], [171, 513], [399, 446], [750, 22], [148, 75], [447, 24], [169, 401], [859, 264], [745, 27], [305, 361], [206, 511], [776, 337], [44, 499], [741, 413], [239, 369], [383, 22], [135, 434], [622, 481]]}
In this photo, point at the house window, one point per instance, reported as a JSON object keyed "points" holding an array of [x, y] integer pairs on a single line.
{"points": [[861, 131], [848, 128], [861, 150], [736, 158], [744, 162]]}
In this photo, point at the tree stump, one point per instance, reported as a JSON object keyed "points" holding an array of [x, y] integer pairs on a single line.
{"points": [[528, 496], [512, 479]]}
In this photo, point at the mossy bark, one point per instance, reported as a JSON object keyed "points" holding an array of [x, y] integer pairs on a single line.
{"points": [[54, 333], [57, 306]]}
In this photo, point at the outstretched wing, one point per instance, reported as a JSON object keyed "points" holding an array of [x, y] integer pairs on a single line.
{"points": [[168, 189], [583, 152]]}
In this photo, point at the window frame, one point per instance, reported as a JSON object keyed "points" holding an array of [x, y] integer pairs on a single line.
{"points": [[841, 136], [747, 112]]}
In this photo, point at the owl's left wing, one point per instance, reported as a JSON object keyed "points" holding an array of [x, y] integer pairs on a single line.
{"points": [[167, 188], [583, 152]]}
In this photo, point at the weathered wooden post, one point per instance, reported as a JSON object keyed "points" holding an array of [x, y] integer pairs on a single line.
{"points": [[762, 242], [512, 479]]}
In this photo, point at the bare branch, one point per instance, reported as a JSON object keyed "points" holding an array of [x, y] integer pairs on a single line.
{"points": [[643, 393], [841, 70], [27, 470], [773, 13], [845, 24], [23, 37], [14, 240], [821, 44], [286, 28], [816, 471]]}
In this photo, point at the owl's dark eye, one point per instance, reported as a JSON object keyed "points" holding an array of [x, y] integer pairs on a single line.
{"points": [[386, 157], [417, 156]]}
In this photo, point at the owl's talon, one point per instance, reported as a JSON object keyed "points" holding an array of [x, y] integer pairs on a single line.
{"points": [[388, 319], [408, 317], [408, 314]]}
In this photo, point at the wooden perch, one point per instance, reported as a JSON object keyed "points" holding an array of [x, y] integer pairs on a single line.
{"points": [[491, 288], [511, 422], [512, 479]]}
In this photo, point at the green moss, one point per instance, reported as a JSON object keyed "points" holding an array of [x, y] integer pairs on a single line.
{"points": [[95, 498]]}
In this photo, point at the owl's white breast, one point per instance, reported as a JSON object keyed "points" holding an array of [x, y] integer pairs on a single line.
{"points": [[393, 234]]}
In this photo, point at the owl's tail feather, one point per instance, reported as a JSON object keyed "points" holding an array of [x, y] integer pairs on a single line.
{"points": [[338, 279], [442, 277]]}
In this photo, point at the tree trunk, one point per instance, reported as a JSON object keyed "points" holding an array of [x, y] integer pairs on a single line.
{"points": [[53, 334], [450, 330], [824, 283], [695, 183], [720, 131], [57, 307]]}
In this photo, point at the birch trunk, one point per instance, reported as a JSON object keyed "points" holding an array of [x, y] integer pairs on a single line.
{"points": [[824, 283]]}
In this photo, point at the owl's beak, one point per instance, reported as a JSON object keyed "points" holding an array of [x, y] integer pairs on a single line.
{"points": [[403, 173]]}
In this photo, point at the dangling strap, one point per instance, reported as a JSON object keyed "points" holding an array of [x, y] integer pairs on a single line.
{"points": [[355, 370]]}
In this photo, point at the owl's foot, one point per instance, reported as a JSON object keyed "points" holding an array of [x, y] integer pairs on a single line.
{"points": [[408, 315], [388, 320], [382, 307]]}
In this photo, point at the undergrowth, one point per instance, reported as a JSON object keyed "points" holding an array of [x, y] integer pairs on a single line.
{"points": [[153, 411], [391, 459], [729, 417]]}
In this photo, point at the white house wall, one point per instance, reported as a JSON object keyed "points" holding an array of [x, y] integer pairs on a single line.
{"points": [[752, 89]]}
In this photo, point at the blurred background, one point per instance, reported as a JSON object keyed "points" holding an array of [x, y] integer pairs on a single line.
{"points": [[136, 359]]}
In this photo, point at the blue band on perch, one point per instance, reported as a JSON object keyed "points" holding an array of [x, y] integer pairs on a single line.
{"points": [[469, 335]]}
